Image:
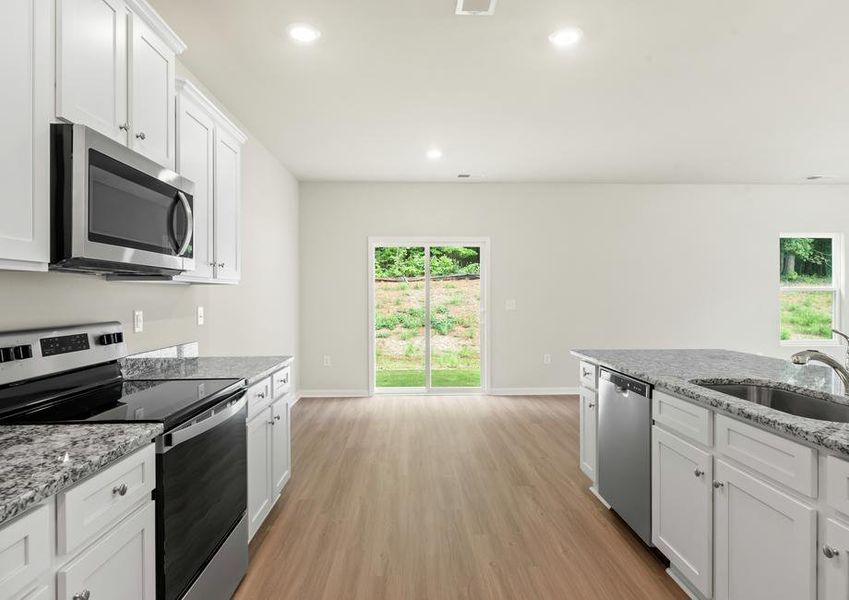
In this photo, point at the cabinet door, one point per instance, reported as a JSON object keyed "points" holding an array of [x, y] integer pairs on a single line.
{"points": [[765, 540], [152, 97], [195, 156], [226, 199], [280, 445], [834, 560], [120, 565], [589, 428], [91, 65], [260, 491], [24, 145], [682, 506]]}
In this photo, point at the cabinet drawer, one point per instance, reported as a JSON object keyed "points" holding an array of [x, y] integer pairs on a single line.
{"points": [[587, 372], [782, 460], [103, 499], [682, 417], [281, 382], [24, 552], [837, 484], [259, 397], [120, 565]]}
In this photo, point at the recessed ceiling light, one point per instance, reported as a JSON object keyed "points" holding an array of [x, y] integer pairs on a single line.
{"points": [[303, 33], [564, 38], [434, 154]]}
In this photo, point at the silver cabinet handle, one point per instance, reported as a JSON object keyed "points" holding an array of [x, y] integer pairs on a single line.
{"points": [[140, 135], [585, 372], [718, 484], [698, 472], [211, 264], [271, 422], [590, 404], [221, 265], [829, 552], [121, 490], [124, 127], [83, 595], [277, 418]]}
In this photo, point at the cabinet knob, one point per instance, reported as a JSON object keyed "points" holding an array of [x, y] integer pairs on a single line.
{"points": [[718, 484], [83, 595], [121, 490], [124, 127], [271, 422], [698, 472], [585, 372], [277, 418], [260, 394], [221, 265], [141, 135], [590, 404], [829, 552]]}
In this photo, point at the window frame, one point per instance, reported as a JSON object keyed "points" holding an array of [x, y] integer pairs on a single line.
{"points": [[836, 288]]}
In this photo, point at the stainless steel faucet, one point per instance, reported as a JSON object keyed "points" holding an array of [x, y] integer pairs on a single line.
{"points": [[845, 339], [806, 356]]}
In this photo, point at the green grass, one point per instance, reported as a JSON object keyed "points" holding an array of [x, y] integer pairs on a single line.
{"points": [[439, 378], [806, 315]]}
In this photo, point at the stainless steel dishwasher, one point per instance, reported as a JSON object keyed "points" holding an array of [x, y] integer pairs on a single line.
{"points": [[624, 449]]}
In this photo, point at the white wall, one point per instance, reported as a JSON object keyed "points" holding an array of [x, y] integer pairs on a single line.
{"points": [[258, 316], [589, 265]]}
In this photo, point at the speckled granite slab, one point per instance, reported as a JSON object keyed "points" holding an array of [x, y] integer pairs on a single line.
{"points": [[38, 461], [675, 371], [252, 368]]}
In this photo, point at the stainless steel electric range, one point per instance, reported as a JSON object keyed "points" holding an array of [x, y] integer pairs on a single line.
{"points": [[72, 375]]}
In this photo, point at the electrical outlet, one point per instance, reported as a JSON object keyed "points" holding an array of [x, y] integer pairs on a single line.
{"points": [[327, 361], [138, 321], [200, 315], [546, 359], [510, 305]]}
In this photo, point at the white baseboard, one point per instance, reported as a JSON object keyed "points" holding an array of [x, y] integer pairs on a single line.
{"points": [[333, 394], [556, 391]]}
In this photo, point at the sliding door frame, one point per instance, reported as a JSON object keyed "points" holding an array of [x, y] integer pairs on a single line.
{"points": [[427, 242]]}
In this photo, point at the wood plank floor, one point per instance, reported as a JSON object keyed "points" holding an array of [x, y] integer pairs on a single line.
{"points": [[443, 498]]}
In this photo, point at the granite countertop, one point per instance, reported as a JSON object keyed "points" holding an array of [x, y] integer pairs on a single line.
{"points": [[38, 461], [251, 368], [675, 370]]}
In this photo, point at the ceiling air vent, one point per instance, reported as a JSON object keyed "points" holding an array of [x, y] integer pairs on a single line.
{"points": [[476, 8]]}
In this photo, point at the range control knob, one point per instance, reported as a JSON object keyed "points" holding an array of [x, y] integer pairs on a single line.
{"points": [[118, 337], [107, 339], [22, 352], [7, 355]]}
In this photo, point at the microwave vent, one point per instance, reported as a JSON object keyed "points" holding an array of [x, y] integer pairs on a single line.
{"points": [[476, 8]]}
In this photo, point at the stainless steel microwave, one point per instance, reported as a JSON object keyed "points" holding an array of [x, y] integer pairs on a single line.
{"points": [[115, 212]]}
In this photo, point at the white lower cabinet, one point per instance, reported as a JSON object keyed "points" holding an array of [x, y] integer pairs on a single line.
{"points": [[269, 460], [765, 540], [834, 561], [260, 489], [682, 507], [588, 433], [120, 565]]}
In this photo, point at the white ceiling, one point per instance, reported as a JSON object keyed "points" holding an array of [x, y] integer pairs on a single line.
{"points": [[658, 90]]}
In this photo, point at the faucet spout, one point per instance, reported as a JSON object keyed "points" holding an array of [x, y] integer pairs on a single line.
{"points": [[806, 356]]}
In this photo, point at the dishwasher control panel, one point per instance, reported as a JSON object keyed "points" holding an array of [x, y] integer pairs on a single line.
{"points": [[625, 383]]}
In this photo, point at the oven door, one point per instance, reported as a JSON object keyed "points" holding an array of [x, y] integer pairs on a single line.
{"points": [[126, 209], [201, 493]]}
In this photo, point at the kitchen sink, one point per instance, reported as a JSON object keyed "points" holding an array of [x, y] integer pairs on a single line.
{"points": [[794, 403]]}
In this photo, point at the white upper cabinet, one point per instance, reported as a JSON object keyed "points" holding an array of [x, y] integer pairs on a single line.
{"points": [[152, 67], [25, 106], [227, 192], [115, 73], [195, 158], [91, 64], [209, 150]]}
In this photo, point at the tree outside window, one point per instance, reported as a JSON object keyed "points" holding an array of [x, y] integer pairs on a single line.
{"points": [[808, 291]]}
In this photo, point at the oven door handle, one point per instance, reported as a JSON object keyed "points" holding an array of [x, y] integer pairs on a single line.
{"points": [[190, 224], [192, 431]]}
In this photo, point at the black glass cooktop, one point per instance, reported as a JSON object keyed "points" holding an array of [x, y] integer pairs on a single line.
{"points": [[170, 402]]}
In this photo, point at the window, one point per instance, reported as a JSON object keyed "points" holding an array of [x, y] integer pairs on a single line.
{"points": [[809, 289]]}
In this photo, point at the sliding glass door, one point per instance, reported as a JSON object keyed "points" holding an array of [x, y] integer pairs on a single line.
{"points": [[426, 316]]}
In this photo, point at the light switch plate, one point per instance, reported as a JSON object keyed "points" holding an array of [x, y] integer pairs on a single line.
{"points": [[510, 305], [546, 359], [200, 315], [327, 361], [138, 321]]}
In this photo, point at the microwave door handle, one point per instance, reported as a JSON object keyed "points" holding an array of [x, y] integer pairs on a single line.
{"points": [[190, 224]]}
